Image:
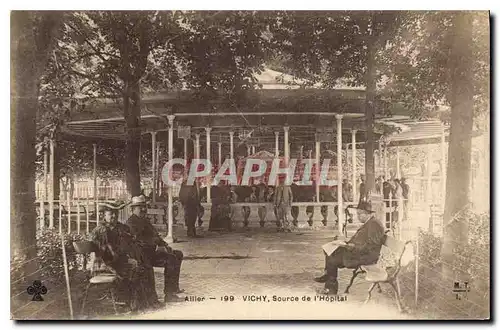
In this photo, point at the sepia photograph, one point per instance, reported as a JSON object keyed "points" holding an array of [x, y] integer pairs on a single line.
{"points": [[250, 165]]}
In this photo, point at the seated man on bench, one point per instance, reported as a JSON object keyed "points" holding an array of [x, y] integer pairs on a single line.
{"points": [[362, 249]]}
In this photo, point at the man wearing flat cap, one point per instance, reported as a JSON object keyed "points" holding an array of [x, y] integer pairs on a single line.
{"points": [[155, 249], [362, 249]]}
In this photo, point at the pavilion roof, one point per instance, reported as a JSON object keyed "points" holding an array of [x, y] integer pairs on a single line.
{"points": [[278, 101]]}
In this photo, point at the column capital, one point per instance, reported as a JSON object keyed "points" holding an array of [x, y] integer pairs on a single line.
{"points": [[339, 116], [208, 129], [219, 143], [286, 128], [153, 133], [354, 131], [231, 133], [197, 135], [171, 119], [276, 133]]}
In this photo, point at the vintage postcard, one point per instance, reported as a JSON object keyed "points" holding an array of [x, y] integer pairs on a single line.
{"points": [[250, 165]]}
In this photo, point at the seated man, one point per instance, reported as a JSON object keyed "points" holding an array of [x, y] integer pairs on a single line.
{"points": [[122, 254], [362, 249], [155, 250]]}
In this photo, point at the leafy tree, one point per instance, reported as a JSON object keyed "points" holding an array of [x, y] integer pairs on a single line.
{"points": [[120, 55], [445, 62], [339, 47]]}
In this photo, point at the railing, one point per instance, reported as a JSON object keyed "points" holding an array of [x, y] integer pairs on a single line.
{"points": [[77, 215], [83, 190]]}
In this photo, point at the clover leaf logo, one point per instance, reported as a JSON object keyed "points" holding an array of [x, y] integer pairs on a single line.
{"points": [[37, 289]]}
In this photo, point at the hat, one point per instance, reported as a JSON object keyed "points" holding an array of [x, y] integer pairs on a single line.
{"points": [[365, 206], [138, 201], [111, 206]]}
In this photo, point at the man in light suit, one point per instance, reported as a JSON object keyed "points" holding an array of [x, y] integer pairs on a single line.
{"points": [[283, 199]]}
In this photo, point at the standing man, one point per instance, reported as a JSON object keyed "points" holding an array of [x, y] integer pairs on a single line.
{"points": [[362, 190], [362, 249], [155, 249], [190, 199], [346, 191], [405, 191], [283, 199]]}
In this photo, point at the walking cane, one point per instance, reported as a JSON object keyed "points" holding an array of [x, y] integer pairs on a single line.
{"points": [[66, 275]]}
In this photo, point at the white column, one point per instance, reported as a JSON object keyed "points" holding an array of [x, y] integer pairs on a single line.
{"points": [[45, 185], [443, 165], [157, 167], [45, 171], [249, 151], [339, 170], [253, 150], [209, 178], [318, 169], [51, 190], [398, 163], [301, 151], [287, 146], [170, 215], [276, 144], [231, 144], [153, 165], [96, 193], [309, 154], [185, 148], [220, 153], [354, 167], [429, 174], [197, 146], [386, 170], [379, 165]]}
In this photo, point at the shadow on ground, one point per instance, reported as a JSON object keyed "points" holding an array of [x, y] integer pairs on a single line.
{"points": [[217, 257]]}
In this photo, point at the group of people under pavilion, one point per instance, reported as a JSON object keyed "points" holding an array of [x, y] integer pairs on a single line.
{"points": [[278, 122]]}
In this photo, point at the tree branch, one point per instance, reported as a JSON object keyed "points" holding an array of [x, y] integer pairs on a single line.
{"points": [[86, 40]]}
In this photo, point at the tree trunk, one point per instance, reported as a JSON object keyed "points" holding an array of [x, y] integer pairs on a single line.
{"points": [[27, 64], [370, 118], [132, 114], [459, 150]]}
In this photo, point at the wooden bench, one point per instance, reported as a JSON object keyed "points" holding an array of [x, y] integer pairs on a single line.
{"points": [[376, 274]]}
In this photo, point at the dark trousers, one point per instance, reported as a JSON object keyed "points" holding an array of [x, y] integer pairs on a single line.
{"points": [[190, 214], [172, 264], [332, 264]]}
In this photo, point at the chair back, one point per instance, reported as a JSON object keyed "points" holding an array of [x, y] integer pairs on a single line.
{"points": [[403, 250], [84, 247]]}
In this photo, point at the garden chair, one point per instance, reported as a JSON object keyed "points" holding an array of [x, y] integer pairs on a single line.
{"points": [[97, 278], [376, 274]]}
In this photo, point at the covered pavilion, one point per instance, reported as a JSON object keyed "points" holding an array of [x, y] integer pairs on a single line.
{"points": [[278, 116]]}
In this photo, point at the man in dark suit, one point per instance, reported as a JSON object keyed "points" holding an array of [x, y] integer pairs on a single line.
{"points": [[190, 199], [155, 249], [362, 249], [363, 192]]}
